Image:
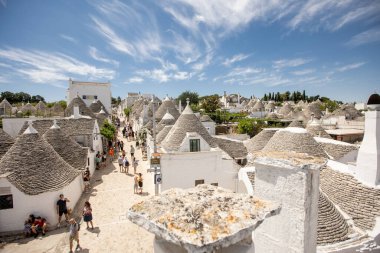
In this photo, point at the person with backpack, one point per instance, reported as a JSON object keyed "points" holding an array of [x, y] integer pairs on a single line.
{"points": [[120, 161], [74, 234]]}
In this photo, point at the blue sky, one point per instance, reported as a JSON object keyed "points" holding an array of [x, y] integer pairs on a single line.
{"points": [[327, 47]]}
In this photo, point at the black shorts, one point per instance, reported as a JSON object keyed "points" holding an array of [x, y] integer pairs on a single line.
{"points": [[62, 212]]}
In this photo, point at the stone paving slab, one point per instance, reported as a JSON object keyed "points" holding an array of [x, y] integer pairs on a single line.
{"points": [[111, 196]]}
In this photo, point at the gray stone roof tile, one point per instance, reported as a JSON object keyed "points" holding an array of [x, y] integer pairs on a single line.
{"points": [[33, 166]]}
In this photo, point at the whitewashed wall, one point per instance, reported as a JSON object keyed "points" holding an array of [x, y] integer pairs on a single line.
{"points": [[102, 90], [43, 205], [182, 169]]}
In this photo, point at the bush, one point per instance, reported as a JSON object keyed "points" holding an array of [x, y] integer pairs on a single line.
{"points": [[108, 130]]}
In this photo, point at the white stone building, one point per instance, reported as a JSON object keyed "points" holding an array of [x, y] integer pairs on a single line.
{"points": [[90, 91], [31, 184], [190, 156]]}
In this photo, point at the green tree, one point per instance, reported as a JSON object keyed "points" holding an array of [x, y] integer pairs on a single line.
{"points": [[63, 104], [108, 130], [127, 111], [193, 96], [304, 95], [265, 98], [270, 96], [210, 103], [245, 126]]}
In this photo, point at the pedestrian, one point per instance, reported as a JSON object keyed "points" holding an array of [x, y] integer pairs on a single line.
{"points": [[121, 145], [86, 180], [133, 135], [126, 165], [134, 164], [74, 234], [111, 153], [140, 182], [87, 214], [62, 208], [97, 161], [132, 151], [135, 185], [121, 162], [104, 159]]}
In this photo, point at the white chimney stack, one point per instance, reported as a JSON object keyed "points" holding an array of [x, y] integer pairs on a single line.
{"points": [[295, 185], [76, 112]]}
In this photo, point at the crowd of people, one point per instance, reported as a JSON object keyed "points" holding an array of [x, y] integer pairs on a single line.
{"points": [[34, 226]]}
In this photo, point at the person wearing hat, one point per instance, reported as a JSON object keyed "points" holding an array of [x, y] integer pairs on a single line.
{"points": [[74, 234]]}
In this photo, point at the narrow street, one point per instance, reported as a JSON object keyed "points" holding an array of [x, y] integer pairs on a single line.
{"points": [[111, 196]]}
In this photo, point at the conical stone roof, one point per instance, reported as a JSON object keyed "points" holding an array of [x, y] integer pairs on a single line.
{"points": [[40, 106], [96, 106], [6, 141], [167, 105], [316, 130], [33, 166], [259, 106], [313, 108], [206, 118], [28, 108], [294, 139], [66, 147], [258, 142], [349, 111], [286, 109], [5, 104], [270, 106], [57, 108], [187, 122], [163, 133], [167, 120], [83, 109]]}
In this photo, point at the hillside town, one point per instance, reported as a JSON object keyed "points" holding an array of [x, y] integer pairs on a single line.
{"points": [[172, 179]]}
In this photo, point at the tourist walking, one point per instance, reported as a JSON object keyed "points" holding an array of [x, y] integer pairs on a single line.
{"points": [[121, 145], [111, 153], [86, 180], [136, 184], [62, 208], [120, 162], [132, 151], [74, 234], [87, 214], [134, 164], [140, 182], [126, 165]]}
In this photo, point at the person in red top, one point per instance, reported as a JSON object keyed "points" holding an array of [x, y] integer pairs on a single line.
{"points": [[111, 153], [39, 225]]}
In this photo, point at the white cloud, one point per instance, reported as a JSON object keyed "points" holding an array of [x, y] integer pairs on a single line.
{"points": [[155, 74], [41, 66], [369, 36], [303, 72], [182, 75], [202, 77], [135, 79], [3, 3], [202, 64], [236, 58], [364, 12], [287, 63], [96, 55], [68, 38], [351, 66], [113, 39]]}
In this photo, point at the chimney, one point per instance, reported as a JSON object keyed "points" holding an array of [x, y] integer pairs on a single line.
{"points": [[76, 112], [293, 181]]}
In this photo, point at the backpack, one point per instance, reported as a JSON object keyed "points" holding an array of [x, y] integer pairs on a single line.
{"points": [[126, 163]]}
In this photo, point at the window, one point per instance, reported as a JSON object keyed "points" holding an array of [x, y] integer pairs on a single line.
{"points": [[84, 96], [195, 145], [199, 181], [214, 184], [95, 97], [6, 198]]}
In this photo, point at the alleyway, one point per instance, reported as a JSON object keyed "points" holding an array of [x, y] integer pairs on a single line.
{"points": [[111, 196]]}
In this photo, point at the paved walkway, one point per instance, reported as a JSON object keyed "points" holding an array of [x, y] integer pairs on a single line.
{"points": [[111, 196]]}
